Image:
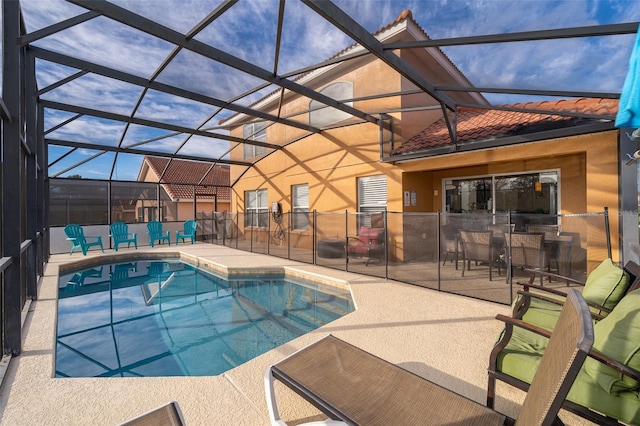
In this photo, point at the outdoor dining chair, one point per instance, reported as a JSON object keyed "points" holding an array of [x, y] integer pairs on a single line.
{"points": [[526, 250], [353, 386], [120, 234], [75, 234], [154, 229], [188, 231], [478, 246]]}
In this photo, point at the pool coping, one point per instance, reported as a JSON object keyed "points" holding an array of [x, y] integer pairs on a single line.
{"points": [[208, 265]]}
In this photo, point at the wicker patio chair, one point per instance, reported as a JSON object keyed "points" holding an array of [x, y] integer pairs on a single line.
{"points": [[477, 246], [545, 229], [600, 393], [526, 250], [356, 387]]}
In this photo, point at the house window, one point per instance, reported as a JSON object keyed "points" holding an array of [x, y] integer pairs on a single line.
{"points": [[320, 115], [300, 201], [256, 131], [528, 193], [372, 197], [256, 211]]}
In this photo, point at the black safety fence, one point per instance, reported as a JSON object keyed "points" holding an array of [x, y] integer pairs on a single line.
{"points": [[471, 254]]}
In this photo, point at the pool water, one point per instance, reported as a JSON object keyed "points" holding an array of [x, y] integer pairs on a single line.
{"points": [[167, 318]]}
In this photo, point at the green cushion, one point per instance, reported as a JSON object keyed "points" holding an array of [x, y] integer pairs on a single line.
{"points": [[606, 284], [618, 337], [586, 391], [542, 313], [624, 406]]}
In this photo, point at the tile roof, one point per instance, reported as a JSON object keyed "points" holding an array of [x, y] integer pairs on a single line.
{"points": [[474, 124], [191, 172]]}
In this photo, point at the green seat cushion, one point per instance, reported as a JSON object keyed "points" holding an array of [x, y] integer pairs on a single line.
{"points": [[542, 313], [521, 356], [606, 284], [618, 337], [586, 391], [623, 406]]}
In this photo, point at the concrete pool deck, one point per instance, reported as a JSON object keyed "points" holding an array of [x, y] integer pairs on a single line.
{"points": [[442, 337]]}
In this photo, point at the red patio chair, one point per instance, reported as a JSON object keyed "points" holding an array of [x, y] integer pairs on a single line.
{"points": [[368, 244]]}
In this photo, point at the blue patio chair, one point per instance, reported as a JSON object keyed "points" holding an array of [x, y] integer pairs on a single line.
{"points": [[189, 231], [75, 234], [120, 234], [156, 234]]}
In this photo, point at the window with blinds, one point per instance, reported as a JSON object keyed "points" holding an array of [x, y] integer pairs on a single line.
{"points": [[372, 197], [300, 201]]}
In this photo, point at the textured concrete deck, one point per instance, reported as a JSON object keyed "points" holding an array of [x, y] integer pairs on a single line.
{"points": [[442, 337]]}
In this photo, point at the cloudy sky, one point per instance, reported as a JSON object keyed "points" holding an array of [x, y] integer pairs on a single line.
{"points": [[248, 30]]}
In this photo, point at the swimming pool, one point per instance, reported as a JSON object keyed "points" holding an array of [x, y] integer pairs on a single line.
{"points": [[148, 318]]}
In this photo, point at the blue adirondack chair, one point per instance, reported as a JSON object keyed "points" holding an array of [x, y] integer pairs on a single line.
{"points": [[75, 234], [120, 234], [189, 231], [156, 234]]}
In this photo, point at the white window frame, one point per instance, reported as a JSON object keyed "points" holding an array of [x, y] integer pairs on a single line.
{"points": [[256, 208], [256, 131], [372, 197], [300, 207], [321, 115]]}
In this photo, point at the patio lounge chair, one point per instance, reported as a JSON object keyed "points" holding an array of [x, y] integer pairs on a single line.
{"points": [[75, 234], [606, 389], [154, 229], [354, 386], [189, 231], [120, 234], [368, 244], [166, 415]]}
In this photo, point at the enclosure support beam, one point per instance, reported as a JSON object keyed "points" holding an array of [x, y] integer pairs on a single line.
{"points": [[12, 63]]}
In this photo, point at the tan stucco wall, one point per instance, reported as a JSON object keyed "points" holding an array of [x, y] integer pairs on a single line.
{"points": [[588, 168], [331, 162]]}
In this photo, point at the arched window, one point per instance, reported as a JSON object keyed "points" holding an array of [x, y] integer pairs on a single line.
{"points": [[320, 115]]}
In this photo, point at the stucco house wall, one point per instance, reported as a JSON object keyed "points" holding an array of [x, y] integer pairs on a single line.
{"points": [[331, 161]]}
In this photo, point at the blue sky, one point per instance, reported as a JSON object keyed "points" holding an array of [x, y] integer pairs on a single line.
{"points": [[248, 30]]}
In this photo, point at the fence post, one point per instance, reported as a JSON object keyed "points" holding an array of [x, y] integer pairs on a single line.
{"points": [[314, 237], [346, 240], [439, 247], [608, 231], [386, 245], [289, 225]]}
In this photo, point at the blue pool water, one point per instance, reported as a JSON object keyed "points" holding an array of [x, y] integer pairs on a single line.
{"points": [[167, 318]]}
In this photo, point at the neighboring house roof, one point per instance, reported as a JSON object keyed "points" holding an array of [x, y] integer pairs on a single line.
{"points": [[475, 124], [188, 173]]}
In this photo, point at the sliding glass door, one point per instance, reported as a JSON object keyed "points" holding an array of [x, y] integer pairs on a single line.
{"points": [[527, 193]]}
